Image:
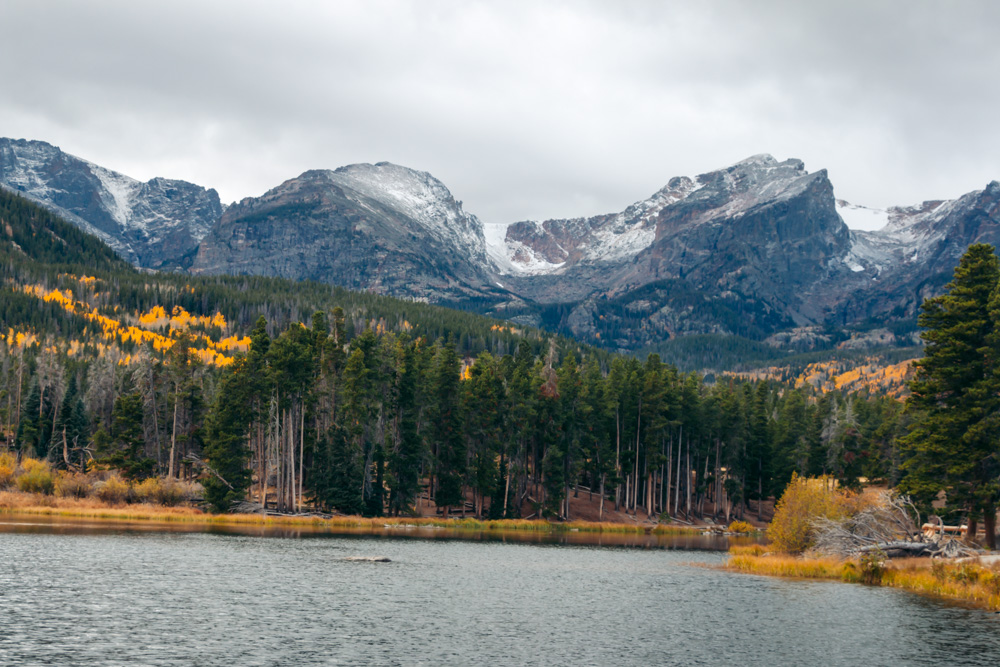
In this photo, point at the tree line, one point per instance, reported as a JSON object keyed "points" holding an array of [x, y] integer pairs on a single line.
{"points": [[367, 423]]}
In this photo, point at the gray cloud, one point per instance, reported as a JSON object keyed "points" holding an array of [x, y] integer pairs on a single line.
{"points": [[524, 109]]}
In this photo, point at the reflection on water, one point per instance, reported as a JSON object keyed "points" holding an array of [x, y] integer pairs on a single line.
{"points": [[76, 526], [73, 594]]}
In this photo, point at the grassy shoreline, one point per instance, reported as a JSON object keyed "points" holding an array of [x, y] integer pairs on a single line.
{"points": [[967, 581], [14, 503]]}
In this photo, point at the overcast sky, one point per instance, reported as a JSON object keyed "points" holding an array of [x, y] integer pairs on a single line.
{"points": [[525, 110]]}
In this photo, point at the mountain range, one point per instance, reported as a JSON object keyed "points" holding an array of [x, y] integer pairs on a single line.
{"points": [[760, 249]]}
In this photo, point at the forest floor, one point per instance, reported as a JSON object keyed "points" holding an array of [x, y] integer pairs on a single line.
{"points": [[584, 506]]}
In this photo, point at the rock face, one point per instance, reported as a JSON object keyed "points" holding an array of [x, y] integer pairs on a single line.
{"points": [[759, 249], [157, 224], [378, 227], [741, 250]]}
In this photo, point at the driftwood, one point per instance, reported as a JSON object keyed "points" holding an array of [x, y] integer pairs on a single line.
{"points": [[889, 527]]}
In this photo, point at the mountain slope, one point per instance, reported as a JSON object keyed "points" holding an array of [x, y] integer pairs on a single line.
{"points": [[382, 228], [758, 250], [156, 224]]}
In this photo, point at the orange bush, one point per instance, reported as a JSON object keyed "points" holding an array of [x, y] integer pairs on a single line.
{"points": [[805, 499]]}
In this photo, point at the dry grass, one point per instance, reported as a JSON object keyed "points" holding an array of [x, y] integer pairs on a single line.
{"points": [[965, 582], [747, 550], [95, 508], [779, 565]]}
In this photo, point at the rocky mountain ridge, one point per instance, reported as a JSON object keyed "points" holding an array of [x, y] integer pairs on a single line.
{"points": [[759, 249], [157, 224]]}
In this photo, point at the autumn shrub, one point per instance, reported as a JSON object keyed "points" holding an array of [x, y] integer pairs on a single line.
{"points": [[73, 485], [804, 500], [188, 491], [872, 567], [8, 466], [741, 527], [147, 490], [114, 490], [36, 477], [161, 491]]}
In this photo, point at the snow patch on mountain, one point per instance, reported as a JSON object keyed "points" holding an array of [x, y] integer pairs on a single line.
{"points": [[634, 229], [419, 196], [862, 217], [119, 191], [494, 235]]}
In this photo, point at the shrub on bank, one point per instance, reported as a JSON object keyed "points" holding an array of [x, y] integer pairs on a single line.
{"points": [[114, 490], [167, 492], [741, 527], [8, 466], [805, 499], [36, 478], [73, 485]]}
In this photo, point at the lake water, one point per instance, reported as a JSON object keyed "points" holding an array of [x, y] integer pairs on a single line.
{"points": [[81, 595]]}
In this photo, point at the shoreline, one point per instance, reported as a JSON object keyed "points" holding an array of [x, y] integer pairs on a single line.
{"points": [[967, 581], [28, 505]]}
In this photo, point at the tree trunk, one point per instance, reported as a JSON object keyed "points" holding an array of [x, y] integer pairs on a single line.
{"points": [[618, 465], [302, 450], [156, 419], [972, 529], [506, 491], [687, 481], [173, 440], [677, 488], [990, 525], [69, 466], [670, 470], [600, 512]]}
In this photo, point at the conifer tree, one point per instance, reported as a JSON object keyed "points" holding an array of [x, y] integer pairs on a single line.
{"points": [[128, 441], [951, 446], [226, 451], [445, 427]]}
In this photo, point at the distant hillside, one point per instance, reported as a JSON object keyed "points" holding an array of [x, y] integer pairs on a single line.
{"points": [[62, 285]]}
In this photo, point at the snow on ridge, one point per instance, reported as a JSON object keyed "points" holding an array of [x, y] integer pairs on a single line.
{"points": [[862, 217], [119, 192], [495, 236], [419, 196]]}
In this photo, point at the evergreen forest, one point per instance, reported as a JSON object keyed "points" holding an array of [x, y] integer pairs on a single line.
{"points": [[306, 396]]}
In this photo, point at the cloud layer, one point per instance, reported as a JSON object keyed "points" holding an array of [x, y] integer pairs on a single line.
{"points": [[524, 109]]}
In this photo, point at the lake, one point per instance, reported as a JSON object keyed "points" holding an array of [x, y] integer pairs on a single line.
{"points": [[77, 594]]}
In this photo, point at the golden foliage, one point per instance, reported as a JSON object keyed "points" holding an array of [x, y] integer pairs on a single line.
{"points": [[741, 527], [968, 581], [8, 466], [869, 374], [166, 492], [115, 331], [114, 490], [804, 500], [36, 477]]}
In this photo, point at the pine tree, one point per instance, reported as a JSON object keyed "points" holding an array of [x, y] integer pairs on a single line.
{"points": [[226, 452], [951, 446], [128, 441], [445, 427]]}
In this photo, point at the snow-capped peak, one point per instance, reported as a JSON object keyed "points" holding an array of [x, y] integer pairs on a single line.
{"points": [[416, 194]]}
